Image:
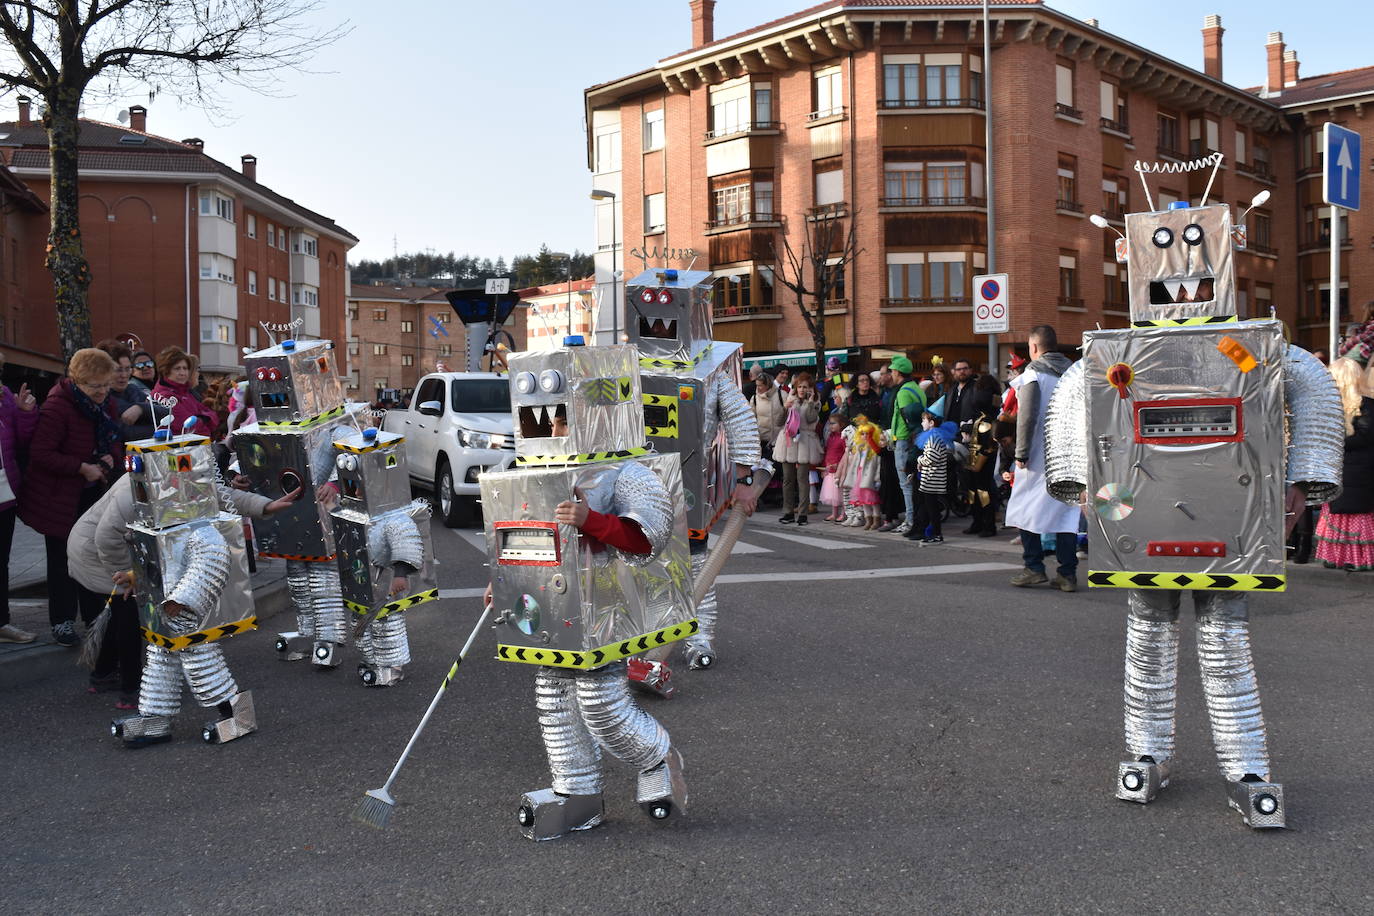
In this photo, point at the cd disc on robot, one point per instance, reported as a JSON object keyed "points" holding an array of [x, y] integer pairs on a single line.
{"points": [[1114, 502]]}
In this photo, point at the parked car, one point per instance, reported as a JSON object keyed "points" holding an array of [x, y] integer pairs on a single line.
{"points": [[458, 424]]}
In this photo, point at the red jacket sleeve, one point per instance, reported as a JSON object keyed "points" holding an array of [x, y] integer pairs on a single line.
{"points": [[621, 533]]}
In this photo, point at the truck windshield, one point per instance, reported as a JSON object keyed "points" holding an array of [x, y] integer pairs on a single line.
{"points": [[487, 395]]}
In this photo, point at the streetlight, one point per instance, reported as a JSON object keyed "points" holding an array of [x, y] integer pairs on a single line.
{"points": [[560, 254], [598, 194]]}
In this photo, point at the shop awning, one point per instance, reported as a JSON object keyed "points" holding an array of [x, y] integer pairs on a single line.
{"points": [[799, 358]]}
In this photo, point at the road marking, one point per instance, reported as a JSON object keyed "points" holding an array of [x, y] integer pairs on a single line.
{"points": [[743, 548], [886, 573], [462, 592], [474, 536], [824, 544]]}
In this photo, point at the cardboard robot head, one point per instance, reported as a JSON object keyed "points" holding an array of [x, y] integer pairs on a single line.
{"points": [[293, 380], [668, 313], [1179, 263], [576, 401], [173, 479], [373, 474]]}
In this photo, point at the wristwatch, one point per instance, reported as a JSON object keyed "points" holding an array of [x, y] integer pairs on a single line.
{"points": [[747, 480]]}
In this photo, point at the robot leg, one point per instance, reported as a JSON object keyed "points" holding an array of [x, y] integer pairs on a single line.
{"points": [[1151, 694], [331, 619], [298, 583], [385, 650], [634, 736], [700, 651], [213, 686], [1233, 706], [159, 700], [574, 800]]}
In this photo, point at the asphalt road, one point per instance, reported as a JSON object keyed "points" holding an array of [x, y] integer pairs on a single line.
{"points": [[934, 741]]}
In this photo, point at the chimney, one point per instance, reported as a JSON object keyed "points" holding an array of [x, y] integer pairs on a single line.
{"points": [[703, 22], [1211, 46], [24, 118], [250, 167], [1274, 48], [194, 143], [1092, 22], [1290, 68], [138, 118]]}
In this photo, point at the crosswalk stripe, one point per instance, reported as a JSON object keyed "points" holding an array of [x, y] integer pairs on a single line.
{"points": [[824, 544], [885, 573], [743, 548], [475, 537], [462, 592]]}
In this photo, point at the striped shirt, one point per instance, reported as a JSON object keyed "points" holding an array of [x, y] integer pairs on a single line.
{"points": [[934, 465]]}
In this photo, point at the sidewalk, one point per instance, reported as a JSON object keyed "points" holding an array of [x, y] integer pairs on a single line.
{"points": [[29, 595]]}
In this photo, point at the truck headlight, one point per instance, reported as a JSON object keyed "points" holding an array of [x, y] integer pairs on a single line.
{"points": [[470, 438]]}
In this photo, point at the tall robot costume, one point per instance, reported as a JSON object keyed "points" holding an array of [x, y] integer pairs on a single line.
{"points": [[300, 412], [577, 607], [1184, 430], [693, 406], [385, 558], [186, 552]]}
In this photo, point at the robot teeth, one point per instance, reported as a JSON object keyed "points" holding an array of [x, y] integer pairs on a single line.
{"points": [[1190, 287], [1173, 286]]}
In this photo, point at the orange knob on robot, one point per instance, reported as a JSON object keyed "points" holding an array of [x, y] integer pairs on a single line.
{"points": [[1120, 376]]}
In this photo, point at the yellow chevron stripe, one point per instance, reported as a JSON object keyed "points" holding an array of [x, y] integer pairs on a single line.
{"points": [[583, 458], [368, 448], [1219, 582], [200, 637], [595, 658], [670, 430], [1183, 322], [650, 362], [300, 424], [167, 446], [396, 604]]}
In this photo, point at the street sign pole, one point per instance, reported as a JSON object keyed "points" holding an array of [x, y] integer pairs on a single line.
{"points": [[1334, 336], [987, 173], [1341, 159]]}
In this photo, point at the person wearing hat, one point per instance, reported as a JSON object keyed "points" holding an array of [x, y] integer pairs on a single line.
{"points": [[907, 407]]}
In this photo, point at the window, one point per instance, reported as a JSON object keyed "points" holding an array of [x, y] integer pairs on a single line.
{"points": [[380, 383], [729, 109], [945, 183], [1063, 90], [946, 275], [407, 326], [608, 150], [445, 349], [252, 282], [379, 314], [1240, 147], [252, 226], [1068, 183], [1167, 124], [305, 295], [763, 105], [975, 80], [271, 290], [943, 76], [281, 290], [444, 317], [379, 349], [655, 219], [830, 189], [743, 291], [742, 203], [1260, 153], [1068, 280], [1114, 294], [281, 239], [903, 185], [407, 359], [1113, 196], [901, 81], [1261, 231], [352, 313], [216, 267], [1318, 222], [653, 129], [305, 244], [253, 338], [353, 347], [353, 379], [1204, 136], [1264, 300], [906, 275], [271, 236], [216, 331], [213, 204], [828, 88], [830, 280], [1113, 101]]}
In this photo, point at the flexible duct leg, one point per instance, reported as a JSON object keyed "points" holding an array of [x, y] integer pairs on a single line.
{"points": [[1151, 694]]}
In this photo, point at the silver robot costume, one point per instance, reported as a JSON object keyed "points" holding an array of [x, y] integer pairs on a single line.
{"points": [[1183, 430], [693, 406], [191, 582], [300, 413], [574, 605], [385, 560]]}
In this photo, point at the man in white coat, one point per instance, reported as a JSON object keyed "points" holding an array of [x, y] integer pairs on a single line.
{"points": [[1031, 508]]}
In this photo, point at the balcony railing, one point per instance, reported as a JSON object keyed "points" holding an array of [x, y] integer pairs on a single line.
{"points": [[1070, 302], [1258, 170], [744, 128], [1067, 111], [744, 311], [825, 113], [930, 103], [743, 219], [827, 211], [1071, 205], [1261, 248], [1168, 152], [926, 302], [935, 202], [1115, 214], [1109, 124]]}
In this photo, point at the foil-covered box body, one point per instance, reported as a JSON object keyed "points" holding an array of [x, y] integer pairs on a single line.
{"points": [[681, 415], [368, 546], [160, 558], [566, 601], [293, 381], [277, 461], [1187, 457], [595, 388], [668, 313], [173, 480]]}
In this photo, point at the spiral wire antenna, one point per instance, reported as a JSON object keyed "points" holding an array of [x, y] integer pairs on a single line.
{"points": [[1192, 165]]}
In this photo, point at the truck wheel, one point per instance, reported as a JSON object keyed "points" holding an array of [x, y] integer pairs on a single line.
{"points": [[452, 510]]}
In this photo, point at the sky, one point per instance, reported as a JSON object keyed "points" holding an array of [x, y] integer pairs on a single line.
{"points": [[458, 125]]}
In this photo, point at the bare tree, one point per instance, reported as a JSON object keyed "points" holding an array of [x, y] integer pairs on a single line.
{"points": [[63, 50], [813, 274]]}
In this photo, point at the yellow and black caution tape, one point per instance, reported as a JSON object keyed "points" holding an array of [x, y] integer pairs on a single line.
{"points": [[167, 446], [583, 458], [1183, 322], [200, 637], [651, 362], [396, 604], [296, 556], [358, 450], [607, 392], [669, 429], [304, 422], [1209, 581], [595, 658]]}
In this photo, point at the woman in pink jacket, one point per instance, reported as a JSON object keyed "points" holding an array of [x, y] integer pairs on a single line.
{"points": [[174, 366]]}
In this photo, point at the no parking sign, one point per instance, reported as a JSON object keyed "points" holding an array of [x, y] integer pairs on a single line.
{"points": [[990, 312]]}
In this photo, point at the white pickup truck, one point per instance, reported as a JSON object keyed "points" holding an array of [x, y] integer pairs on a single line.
{"points": [[458, 425]]}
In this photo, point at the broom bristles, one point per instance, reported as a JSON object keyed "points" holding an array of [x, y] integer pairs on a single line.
{"points": [[375, 809], [95, 638]]}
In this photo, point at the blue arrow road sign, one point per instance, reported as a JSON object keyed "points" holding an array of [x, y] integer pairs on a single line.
{"points": [[438, 327], [1341, 167]]}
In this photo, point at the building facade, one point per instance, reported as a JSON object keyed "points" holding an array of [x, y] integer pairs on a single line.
{"points": [[870, 116], [183, 249]]}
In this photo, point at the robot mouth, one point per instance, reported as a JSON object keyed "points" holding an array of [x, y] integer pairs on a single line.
{"points": [[350, 488], [1184, 289], [664, 330], [274, 399], [539, 422]]}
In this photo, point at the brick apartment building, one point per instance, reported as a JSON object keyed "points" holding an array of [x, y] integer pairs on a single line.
{"points": [[872, 112], [183, 249]]}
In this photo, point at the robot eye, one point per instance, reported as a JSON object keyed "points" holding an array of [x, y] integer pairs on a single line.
{"points": [[261, 374], [351, 463], [1163, 237], [665, 297], [1192, 234], [274, 374], [342, 462], [647, 296], [525, 383], [550, 381]]}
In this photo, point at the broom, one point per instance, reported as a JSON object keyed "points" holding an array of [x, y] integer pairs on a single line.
{"points": [[376, 808], [95, 636]]}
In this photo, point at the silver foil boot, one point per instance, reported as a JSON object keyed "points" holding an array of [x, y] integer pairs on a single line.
{"points": [[237, 719], [384, 676], [1260, 803], [292, 646], [325, 654], [546, 815], [139, 730], [1140, 780], [662, 789], [699, 658]]}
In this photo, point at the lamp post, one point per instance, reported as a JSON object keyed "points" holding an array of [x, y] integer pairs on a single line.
{"points": [[560, 254], [598, 194]]}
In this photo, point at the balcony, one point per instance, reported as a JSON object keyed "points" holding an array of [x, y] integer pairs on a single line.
{"points": [[909, 104], [1119, 127], [1260, 248], [827, 211], [825, 114], [1067, 111], [934, 202], [743, 220], [928, 303], [1071, 303], [1068, 206], [1114, 214], [745, 311], [739, 130], [1165, 151], [835, 306], [1256, 170]]}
